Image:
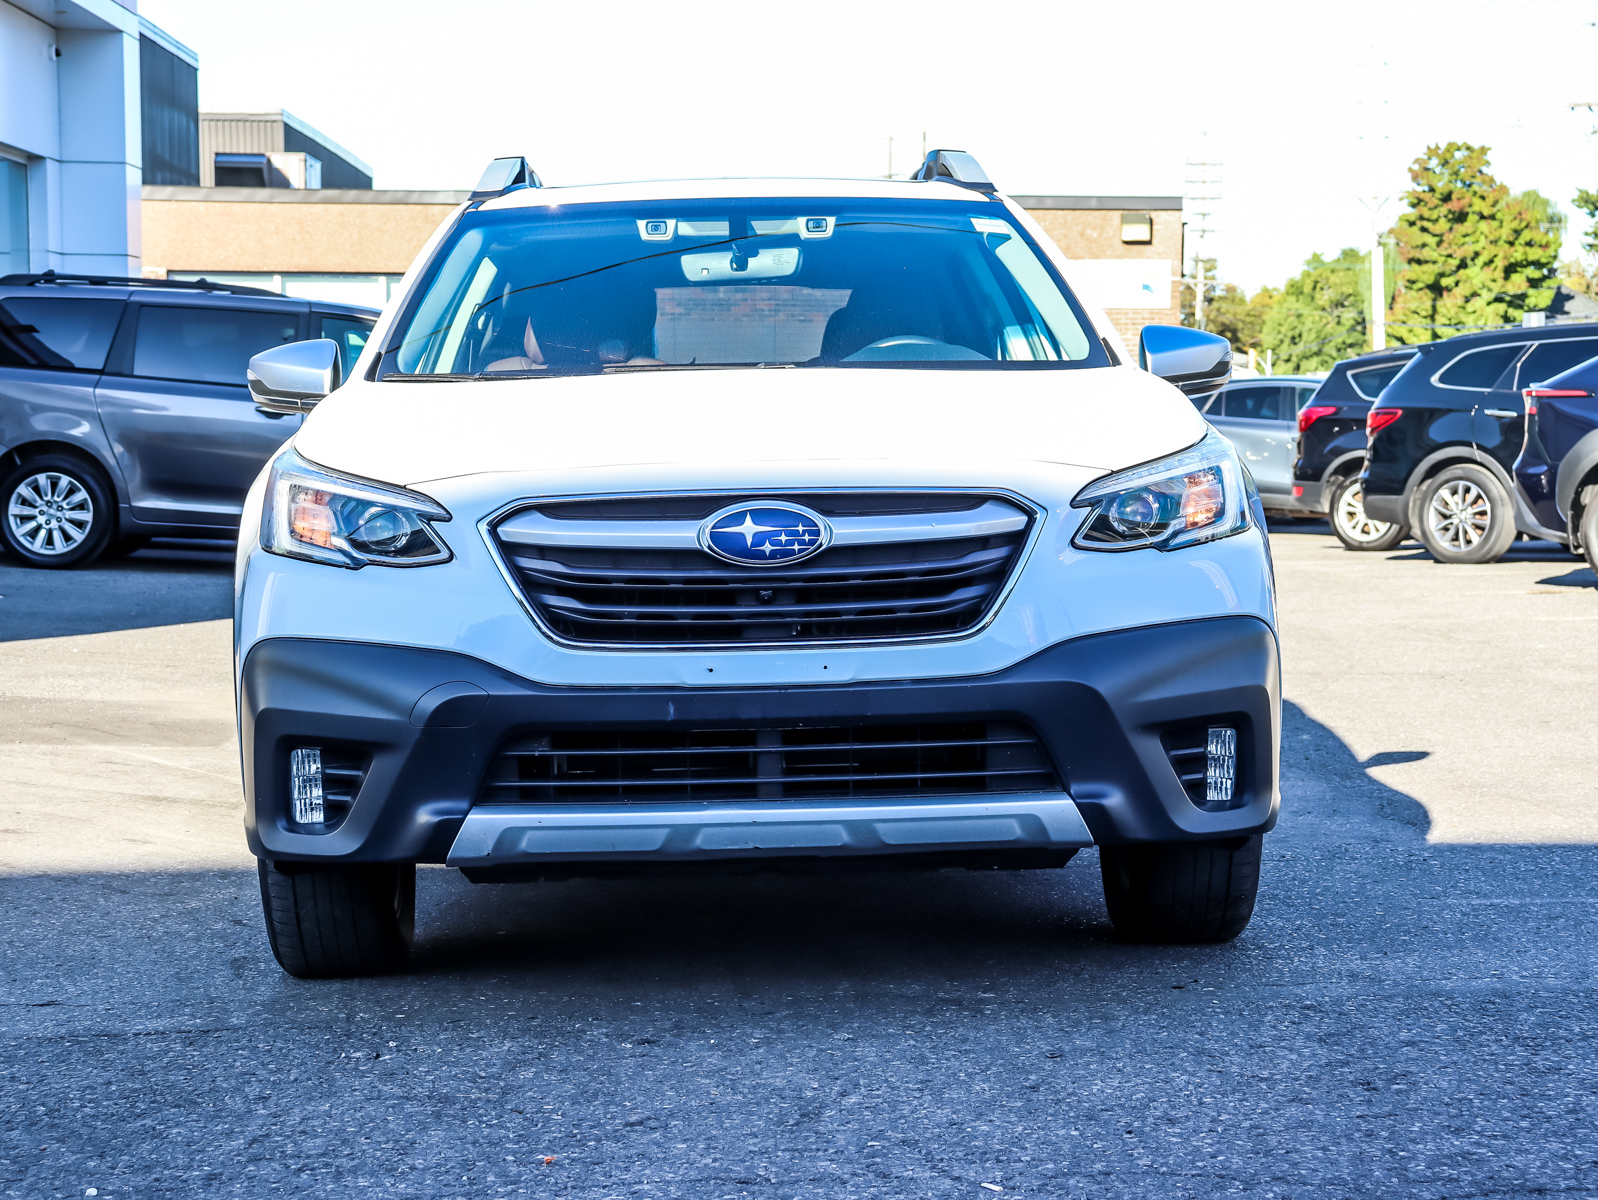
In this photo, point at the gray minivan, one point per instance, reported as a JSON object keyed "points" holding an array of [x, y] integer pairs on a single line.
{"points": [[1260, 418], [124, 413]]}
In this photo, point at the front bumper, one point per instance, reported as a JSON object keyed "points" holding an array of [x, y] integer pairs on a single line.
{"points": [[430, 723]]}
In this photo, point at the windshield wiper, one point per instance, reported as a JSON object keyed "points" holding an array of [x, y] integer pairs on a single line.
{"points": [[616, 368], [481, 376]]}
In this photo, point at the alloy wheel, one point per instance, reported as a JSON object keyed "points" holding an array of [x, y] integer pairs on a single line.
{"points": [[50, 513], [1459, 514], [1352, 519]]}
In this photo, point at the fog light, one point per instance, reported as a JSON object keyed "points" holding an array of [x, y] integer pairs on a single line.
{"points": [[1220, 767], [305, 783]]}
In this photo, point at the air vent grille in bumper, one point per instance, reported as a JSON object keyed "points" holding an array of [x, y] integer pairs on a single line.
{"points": [[806, 763], [901, 566]]}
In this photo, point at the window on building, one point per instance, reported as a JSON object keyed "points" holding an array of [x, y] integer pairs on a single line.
{"points": [[13, 217], [57, 333], [242, 170], [206, 345], [169, 114], [1137, 229]]}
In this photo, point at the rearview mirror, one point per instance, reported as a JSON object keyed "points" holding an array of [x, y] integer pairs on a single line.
{"points": [[1196, 362], [292, 378]]}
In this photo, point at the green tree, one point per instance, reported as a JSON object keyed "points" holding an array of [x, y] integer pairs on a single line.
{"points": [[1319, 317], [1239, 318], [1228, 310], [1473, 256], [1588, 203]]}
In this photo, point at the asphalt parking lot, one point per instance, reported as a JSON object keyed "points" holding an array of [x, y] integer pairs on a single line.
{"points": [[1412, 1012]]}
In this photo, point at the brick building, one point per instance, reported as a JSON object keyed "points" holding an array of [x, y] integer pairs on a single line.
{"points": [[1126, 253]]}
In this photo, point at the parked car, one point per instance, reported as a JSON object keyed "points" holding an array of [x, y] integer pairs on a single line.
{"points": [[1260, 418], [124, 413], [1331, 449], [728, 525], [1447, 430], [1557, 471]]}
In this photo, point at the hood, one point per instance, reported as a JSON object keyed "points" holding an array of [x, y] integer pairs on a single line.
{"points": [[410, 433]]}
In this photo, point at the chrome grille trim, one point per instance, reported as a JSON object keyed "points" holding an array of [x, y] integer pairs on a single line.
{"points": [[534, 528], [993, 512]]}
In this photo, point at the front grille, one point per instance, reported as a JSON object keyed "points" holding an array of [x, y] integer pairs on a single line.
{"points": [[678, 595], [804, 763]]}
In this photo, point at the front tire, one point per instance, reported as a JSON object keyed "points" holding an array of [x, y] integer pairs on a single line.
{"points": [[1465, 516], [1181, 892], [1354, 527], [336, 921], [55, 511]]}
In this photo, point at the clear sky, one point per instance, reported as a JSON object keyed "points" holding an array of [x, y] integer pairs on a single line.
{"points": [[1314, 110]]}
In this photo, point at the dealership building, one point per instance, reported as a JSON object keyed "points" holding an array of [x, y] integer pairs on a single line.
{"points": [[95, 101]]}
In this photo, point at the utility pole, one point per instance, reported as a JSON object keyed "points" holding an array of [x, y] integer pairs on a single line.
{"points": [[1207, 184], [889, 175], [1378, 294], [1378, 272]]}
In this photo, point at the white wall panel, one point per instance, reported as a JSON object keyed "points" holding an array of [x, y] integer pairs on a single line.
{"points": [[29, 100]]}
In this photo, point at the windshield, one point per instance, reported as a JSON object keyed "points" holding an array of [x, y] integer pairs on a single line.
{"points": [[804, 282]]}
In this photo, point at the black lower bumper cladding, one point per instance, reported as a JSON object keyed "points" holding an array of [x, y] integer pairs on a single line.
{"points": [[430, 723]]}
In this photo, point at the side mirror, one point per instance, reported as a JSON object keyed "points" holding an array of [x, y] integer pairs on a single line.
{"points": [[292, 378], [1196, 362]]}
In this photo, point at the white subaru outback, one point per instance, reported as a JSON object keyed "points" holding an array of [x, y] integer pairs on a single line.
{"points": [[735, 525]]}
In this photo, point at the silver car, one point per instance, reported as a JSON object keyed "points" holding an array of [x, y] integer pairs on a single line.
{"points": [[1260, 418], [124, 413]]}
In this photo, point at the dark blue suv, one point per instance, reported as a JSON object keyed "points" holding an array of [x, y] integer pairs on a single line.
{"points": [[1331, 448], [1557, 471], [1447, 430]]}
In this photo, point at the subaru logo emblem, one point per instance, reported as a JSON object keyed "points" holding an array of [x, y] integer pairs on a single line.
{"points": [[764, 534]]}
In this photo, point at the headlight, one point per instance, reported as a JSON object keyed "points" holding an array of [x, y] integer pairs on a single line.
{"points": [[1195, 496], [314, 514]]}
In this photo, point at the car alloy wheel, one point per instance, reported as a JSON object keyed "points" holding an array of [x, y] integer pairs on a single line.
{"points": [[1459, 514], [1354, 523], [50, 513]]}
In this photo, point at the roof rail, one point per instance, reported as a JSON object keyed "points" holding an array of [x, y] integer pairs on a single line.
{"points": [[505, 175], [955, 166], [191, 285]]}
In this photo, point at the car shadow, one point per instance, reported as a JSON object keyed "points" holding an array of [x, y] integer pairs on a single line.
{"points": [[1582, 577], [920, 929], [170, 582], [1520, 551]]}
